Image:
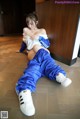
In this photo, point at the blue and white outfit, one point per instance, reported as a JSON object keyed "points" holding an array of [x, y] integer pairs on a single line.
{"points": [[41, 65], [29, 44]]}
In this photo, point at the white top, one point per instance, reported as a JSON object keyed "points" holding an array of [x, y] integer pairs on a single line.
{"points": [[30, 43]]}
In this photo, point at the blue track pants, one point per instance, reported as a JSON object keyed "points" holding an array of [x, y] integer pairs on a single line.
{"points": [[41, 65]]}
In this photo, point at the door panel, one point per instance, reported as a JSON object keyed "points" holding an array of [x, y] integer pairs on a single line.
{"points": [[13, 14], [8, 16], [1, 22]]}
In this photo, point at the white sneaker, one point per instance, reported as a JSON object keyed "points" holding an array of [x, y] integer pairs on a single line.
{"points": [[66, 82], [26, 103], [63, 80]]}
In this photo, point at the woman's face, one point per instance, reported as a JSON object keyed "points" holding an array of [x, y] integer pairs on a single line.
{"points": [[31, 23]]}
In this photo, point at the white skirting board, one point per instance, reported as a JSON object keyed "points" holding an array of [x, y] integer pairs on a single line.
{"points": [[77, 42]]}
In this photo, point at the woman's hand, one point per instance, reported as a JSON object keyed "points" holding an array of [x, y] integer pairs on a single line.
{"points": [[27, 31], [34, 37]]}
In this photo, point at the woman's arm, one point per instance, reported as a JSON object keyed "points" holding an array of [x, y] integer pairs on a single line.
{"points": [[23, 47], [33, 35], [27, 31]]}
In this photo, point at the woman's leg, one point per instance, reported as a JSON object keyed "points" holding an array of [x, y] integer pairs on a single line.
{"points": [[27, 84], [53, 71], [28, 80]]}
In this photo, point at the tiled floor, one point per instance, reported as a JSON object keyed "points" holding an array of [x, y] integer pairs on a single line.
{"points": [[51, 100]]}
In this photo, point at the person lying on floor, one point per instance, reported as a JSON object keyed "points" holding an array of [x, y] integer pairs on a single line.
{"points": [[41, 64]]}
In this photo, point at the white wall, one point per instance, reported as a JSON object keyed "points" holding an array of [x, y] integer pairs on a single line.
{"points": [[77, 42]]}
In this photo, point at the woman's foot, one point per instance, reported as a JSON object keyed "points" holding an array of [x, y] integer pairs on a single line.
{"points": [[63, 80], [26, 103]]}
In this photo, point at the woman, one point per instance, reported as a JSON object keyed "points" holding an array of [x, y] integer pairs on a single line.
{"points": [[40, 64]]}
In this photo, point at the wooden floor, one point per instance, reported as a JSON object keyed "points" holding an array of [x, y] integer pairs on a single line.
{"points": [[51, 100]]}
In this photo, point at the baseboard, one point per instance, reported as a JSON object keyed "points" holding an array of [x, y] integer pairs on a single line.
{"points": [[63, 60], [73, 61]]}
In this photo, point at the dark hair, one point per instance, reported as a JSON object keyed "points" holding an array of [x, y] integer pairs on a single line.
{"points": [[31, 16]]}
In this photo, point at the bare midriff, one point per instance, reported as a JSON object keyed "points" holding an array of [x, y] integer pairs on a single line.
{"points": [[35, 49]]}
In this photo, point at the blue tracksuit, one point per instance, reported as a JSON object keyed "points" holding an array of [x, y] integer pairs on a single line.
{"points": [[41, 65]]}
